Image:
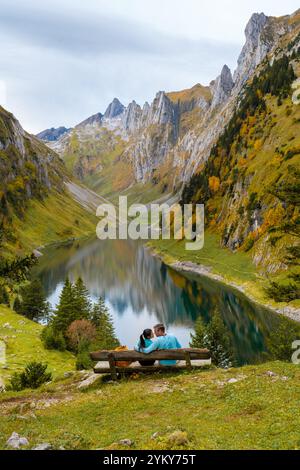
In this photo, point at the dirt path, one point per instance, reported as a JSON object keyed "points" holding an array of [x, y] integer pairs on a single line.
{"points": [[85, 197]]}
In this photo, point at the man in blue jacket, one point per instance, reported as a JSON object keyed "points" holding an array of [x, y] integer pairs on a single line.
{"points": [[163, 341]]}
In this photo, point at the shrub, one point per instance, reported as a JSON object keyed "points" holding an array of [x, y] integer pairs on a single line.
{"points": [[79, 332], [53, 339], [83, 360], [17, 305], [33, 376], [4, 297], [283, 292]]}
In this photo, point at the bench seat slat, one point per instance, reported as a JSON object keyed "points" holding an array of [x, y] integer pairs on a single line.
{"points": [[102, 369]]}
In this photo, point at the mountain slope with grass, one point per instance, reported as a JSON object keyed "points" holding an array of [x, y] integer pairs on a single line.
{"points": [[35, 205], [23, 345]]}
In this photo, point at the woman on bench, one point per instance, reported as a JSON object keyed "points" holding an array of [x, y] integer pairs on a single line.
{"points": [[144, 342]]}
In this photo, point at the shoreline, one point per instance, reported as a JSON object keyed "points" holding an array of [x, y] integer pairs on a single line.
{"points": [[206, 271]]}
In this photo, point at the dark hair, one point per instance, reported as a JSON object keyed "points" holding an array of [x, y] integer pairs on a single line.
{"points": [[145, 335], [160, 327]]}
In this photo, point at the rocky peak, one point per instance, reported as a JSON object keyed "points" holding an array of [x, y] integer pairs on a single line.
{"points": [[254, 27], [255, 48], [92, 120], [222, 87], [132, 117], [162, 110], [53, 134], [114, 109]]}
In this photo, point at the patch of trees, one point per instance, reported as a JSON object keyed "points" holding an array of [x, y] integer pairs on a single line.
{"points": [[214, 336], [78, 325]]}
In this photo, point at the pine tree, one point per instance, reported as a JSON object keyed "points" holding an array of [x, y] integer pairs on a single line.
{"points": [[34, 304], [83, 300], [101, 318], [215, 337], [67, 310]]}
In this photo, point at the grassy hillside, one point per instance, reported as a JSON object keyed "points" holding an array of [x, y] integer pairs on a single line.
{"points": [[57, 218], [23, 344], [256, 407]]}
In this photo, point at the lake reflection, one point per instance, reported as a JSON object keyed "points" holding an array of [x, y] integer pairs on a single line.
{"points": [[140, 291]]}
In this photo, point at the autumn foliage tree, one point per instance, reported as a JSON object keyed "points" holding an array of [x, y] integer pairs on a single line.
{"points": [[79, 333]]}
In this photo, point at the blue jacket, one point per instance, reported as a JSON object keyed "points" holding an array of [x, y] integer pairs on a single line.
{"points": [[162, 342]]}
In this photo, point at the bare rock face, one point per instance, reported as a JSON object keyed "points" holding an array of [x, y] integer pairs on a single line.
{"points": [[254, 50], [132, 117], [162, 110], [114, 109], [222, 87], [96, 119]]}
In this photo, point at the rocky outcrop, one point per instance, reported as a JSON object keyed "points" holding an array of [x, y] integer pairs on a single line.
{"points": [[94, 120], [114, 109], [262, 35], [222, 87], [51, 135], [132, 119], [162, 110], [254, 50]]}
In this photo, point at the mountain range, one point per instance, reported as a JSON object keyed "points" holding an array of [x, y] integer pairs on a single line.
{"points": [[233, 145]]}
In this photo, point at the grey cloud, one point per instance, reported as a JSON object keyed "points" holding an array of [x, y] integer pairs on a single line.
{"points": [[87, 35], [61, 67]]}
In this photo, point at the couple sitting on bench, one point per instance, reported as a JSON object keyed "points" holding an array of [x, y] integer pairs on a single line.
{"points": [[147, 344]]}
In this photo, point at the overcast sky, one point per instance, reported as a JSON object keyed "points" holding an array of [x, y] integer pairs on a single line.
{"points": [[63, 60]]}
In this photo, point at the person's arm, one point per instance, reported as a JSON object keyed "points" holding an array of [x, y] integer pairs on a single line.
{"points": [[153, 347], [137, 347], [178, 345]]}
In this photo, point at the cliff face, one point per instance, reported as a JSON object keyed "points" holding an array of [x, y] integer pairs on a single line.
{"points": [[29, 170]]}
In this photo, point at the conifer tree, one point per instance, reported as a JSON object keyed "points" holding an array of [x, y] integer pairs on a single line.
{"points": [[34, 304], [81, 296], [101, 318], [67, 310], [215, 337]]}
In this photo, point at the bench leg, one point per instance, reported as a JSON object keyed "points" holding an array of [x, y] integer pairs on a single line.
{"points": [[188, 360], [112, 365]]}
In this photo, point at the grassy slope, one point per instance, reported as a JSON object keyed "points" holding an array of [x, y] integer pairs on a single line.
{"points": [[57, 218], [257, 412], [23, 345]]}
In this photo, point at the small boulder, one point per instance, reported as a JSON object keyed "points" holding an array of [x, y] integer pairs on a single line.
{"points": [[126, 442], [43, 446], [88, 381], [232, 381], [269, 373], [178, 438], [15, 441]]}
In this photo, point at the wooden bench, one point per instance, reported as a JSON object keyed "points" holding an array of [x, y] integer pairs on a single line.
{"points": [[106, 360]]}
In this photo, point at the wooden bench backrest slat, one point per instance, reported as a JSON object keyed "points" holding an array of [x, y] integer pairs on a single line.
{"points": [[170, 354]]}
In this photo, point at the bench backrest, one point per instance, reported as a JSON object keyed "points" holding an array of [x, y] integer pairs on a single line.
{"points": [[171, 354]]}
